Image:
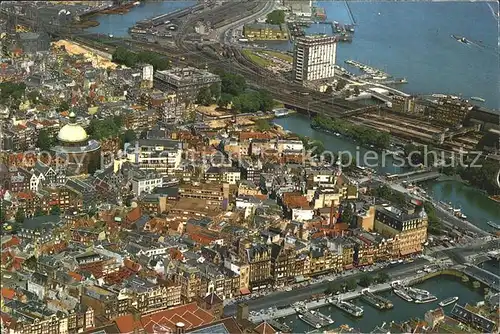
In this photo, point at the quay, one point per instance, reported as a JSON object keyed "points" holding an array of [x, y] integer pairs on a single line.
{"points": [[285, 312], [377, 301]]}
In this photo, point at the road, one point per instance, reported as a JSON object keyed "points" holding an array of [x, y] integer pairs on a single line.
{"points": [[283, 298], [224, 32]]}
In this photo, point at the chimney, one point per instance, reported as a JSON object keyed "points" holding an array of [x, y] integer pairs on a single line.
{"points": [[332, 212], [242, 312], [179, 328]]}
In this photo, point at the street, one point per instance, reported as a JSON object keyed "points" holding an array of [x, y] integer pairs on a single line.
{"points": [[283, 298]]}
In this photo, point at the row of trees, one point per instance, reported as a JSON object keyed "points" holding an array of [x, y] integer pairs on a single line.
{"points": [[130, 59], [362, 134], [233, 90], [365, 281]]}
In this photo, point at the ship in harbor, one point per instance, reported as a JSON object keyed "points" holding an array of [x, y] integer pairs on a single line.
{"points": [[460, 39], [494, 225], [402, 294], [479, 99], [420, 296], [283, 328], [312, 318], [448, 301], [347, 307]]}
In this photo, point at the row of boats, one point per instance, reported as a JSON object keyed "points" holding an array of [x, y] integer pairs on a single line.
{"points": [[419, 296], [318, 320]]}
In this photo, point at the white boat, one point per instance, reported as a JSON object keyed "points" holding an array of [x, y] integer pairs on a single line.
{"points": [[428, 299], [480, 99], [448, 301], [137, 3], [400, 293]]}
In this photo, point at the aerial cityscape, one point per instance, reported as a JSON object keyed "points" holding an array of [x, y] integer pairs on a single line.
{"points": [[249, 166]]}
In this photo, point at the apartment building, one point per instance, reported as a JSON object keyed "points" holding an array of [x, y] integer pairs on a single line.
{"points": [[407, 227], [314, 58]]}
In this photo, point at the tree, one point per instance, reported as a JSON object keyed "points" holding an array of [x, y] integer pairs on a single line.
{"points": [[276, 17], [340, 84], [262, 125], [55, 210], [31, 263], [347, 214], [356, 90], [19, 218], [333, 288], [204, 96], [351, 284], [224, 100], [382, 277], [63, 106], [129, 136], [233, 84], [215, 91], [365, 281], [44, 140], [39, 212]]}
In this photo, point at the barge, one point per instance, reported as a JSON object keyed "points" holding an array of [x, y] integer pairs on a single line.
{"points": [[347, 307], [448, 301], [402, 294], [283, 328], [312, 318], [376, 301]]}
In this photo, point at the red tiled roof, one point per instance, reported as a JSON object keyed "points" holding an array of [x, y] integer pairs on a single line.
{"points": [[8, 293], [134, 215], [127, 324], [264, 328], [133, 266], [76, 276]]}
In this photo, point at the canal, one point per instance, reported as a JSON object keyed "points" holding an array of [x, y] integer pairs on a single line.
{"points": [[475, 204], [442, 287]]}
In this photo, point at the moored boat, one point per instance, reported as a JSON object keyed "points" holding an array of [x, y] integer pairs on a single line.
{"points": [[494, 225], [480, 99], [403, 295], [448, 301]]}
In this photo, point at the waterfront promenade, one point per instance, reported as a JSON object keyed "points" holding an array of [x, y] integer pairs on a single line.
{"points": [[320, 302]]}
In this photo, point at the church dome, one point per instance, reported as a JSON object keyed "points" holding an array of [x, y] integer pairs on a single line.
{"points": [[72, 132]]}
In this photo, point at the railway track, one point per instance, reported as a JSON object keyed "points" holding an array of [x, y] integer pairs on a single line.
{"points": [[230, 58]]}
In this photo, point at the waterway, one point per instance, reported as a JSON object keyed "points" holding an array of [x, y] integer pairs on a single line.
{"points": [[474, 204], [118, 25], [493, 266], [441, 287], [413, 39]]}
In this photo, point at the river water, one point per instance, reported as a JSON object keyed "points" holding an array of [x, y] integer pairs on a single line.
{"points": [[474, 204], [118, 25], [442, 287], [412, 39]]}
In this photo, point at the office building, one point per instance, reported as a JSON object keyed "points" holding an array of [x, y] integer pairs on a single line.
{"points": [[314, 58], [185, 82]]}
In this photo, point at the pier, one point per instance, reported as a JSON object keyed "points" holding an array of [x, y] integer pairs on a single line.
{"points": [[284, 312]]}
